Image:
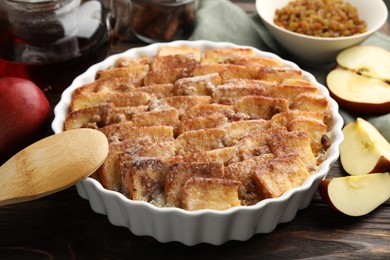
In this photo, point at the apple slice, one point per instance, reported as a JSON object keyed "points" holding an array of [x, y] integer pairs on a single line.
{"points": [[369, 61], [356, 195], [364, 150], [361, 80], [359, 93]]}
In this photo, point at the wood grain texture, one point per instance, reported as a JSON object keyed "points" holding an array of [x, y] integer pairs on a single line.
{"points": [[63, 226], [52, 164]]}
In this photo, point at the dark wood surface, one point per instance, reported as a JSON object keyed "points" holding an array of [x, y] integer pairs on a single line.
{"points": [[63, 226]]}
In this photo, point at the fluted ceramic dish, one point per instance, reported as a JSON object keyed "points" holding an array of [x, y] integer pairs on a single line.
{"points": [[203, 226]]}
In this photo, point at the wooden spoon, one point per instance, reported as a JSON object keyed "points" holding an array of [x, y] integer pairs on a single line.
{"points": [[52, 164]]}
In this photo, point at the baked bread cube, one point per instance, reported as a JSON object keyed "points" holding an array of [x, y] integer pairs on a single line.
{"points": [[281, 174], [178, 173], [209, 109], [283, 142], [164, 149], [230, 92], [210, 193], [254, 144], [143, 178], [239, 129], [284, 118], [157, 90], [225, 55], [315, 130], [130, 61], [168, 76], [90, 117], [226, 156], [297, 82], [261, 107], [290, 92], [133, 73], [278, 75], [179, 62], [182, 103], [111, 84], [205, 69], [118, 99], [121, 114], [202, 122], [101, 115], [232, 71], [200, 140], [310, 102], [252, 82], [249, 191], [197, 85], [108, 173], [167, 117], [154, 133], [190, 52], [226, 71], [127, 130], [256, 61], [172, 63]]}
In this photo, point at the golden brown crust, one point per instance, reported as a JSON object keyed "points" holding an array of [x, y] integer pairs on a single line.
{"points": [[200, 140], [226, 55], [197, 85], [179, 173], [278, 74], [133, 73], [282, 143], [198, 130], [118, 99], [261, 107], [244, 171], [310, 102], [210, 193], [280, 175], [143, 178]]}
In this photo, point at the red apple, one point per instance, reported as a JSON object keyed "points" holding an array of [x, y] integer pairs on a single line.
{"points": [[24, 114]]}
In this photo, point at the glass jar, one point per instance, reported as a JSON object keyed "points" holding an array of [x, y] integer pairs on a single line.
{"points": [[52, 41], [162, 20]]}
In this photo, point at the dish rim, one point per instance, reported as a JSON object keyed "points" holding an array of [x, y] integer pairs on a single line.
{"points": [[61, 109]]}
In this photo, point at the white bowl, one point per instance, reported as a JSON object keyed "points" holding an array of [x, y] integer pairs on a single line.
{"points": [[321, 51], [203, 226]]}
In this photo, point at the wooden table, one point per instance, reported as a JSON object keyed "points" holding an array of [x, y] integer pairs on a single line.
{"points": [[63, 226]]}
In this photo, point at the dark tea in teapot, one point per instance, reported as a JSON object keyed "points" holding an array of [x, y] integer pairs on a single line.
{"points": [[52, 41]]}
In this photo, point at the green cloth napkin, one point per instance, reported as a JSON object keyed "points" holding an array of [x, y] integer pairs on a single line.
{"points": [[224, 21]]}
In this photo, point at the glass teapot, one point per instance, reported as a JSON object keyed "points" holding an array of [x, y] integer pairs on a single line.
{"points": [[52, 41]]}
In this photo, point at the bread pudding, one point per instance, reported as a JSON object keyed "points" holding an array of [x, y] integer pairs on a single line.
{"points": [[209, 129]]}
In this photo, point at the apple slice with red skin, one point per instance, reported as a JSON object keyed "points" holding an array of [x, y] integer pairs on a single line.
{"points": [[24, 116], [366, 60], [364, 150], [359, 93], [361, 81], [356, 195]]}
